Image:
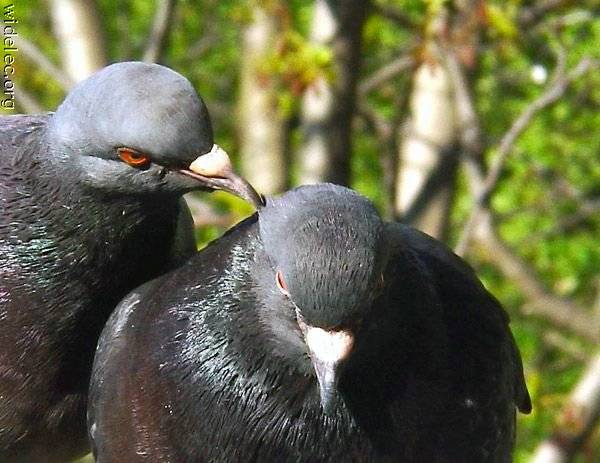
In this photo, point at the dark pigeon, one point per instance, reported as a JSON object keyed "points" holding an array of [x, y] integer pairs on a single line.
{"points": [[91, 207], [311, 332]]}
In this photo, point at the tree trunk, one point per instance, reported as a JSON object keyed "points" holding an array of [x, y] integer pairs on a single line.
{"points": [[430, 147], [328, 106], [427, 154], [159, 34], [77, 28], [261, 128], [427, 158]]}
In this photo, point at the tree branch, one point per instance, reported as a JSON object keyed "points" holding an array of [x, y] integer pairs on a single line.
{"points": [[27, 102], [557, 340], [469, 128], [382, 128], [386, 135], [30, 50], [560, 312], [202, 45], [587, 209], [535, 13], [577, 419], [395, 15], [553, 92], [160, 31], [385, 73]]}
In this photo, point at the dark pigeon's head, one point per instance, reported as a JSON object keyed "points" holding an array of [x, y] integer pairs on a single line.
{"points": [[327, 248], [140, 128]]}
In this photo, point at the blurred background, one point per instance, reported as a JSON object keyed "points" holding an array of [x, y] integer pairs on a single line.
{"points": [[476, 121]]}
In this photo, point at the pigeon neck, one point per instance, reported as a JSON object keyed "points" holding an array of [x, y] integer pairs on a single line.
{"points": [[52, 159]]}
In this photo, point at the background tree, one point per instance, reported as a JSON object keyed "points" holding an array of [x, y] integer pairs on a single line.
{"points": [[260, 125], [328, 103], [476, 120], [76, 25]]}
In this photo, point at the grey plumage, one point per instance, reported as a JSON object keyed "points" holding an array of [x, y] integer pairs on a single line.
{"points": [[216, 361], [80, 228]]}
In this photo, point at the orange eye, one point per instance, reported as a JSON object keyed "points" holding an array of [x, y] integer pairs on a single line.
{"points": [[133, 158], [281, 283]]}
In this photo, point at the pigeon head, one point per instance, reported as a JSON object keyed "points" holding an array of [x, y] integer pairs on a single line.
{"points": [[138, 128], [327, 248]]}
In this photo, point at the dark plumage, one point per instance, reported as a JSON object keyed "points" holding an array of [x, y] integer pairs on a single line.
{"points": [[311, 332], [80, 226]]}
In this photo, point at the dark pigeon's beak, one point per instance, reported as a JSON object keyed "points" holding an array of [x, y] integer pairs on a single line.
{"points": [[328, 351], [214, 170]]}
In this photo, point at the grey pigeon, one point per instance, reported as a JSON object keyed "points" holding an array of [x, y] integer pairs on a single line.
{"points": [[311, 332], [91, 207]]}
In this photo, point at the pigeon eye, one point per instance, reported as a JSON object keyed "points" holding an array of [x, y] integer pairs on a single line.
{"points": [[281, 283], [133, 157]]}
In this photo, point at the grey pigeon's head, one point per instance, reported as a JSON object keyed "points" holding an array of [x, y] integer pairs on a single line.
{"points": [[327, 247], [141, 128]]}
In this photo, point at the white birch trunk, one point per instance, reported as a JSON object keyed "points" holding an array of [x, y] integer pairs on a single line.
{"points": [[328, 106], [77, 27], [429, 132], [261, 129], [317, 104]]}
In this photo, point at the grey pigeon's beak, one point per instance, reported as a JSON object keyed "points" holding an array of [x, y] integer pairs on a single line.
{"points": [[214, 170], [328, 351]]}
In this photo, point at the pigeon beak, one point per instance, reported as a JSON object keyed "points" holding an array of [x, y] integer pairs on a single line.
{"points": [[328, 351], [214, 170]]}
